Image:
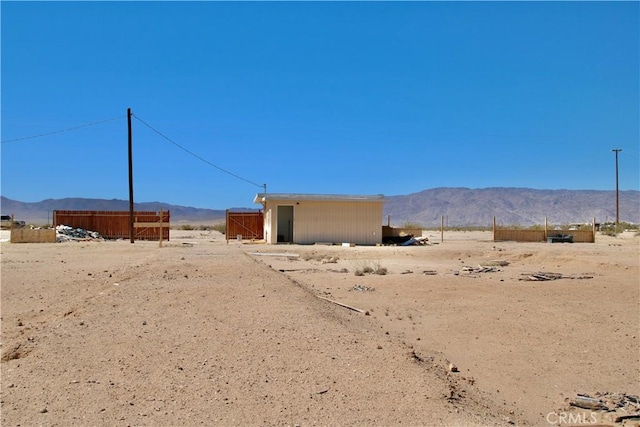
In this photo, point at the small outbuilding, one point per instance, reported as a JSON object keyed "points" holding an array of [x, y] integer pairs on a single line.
{"points": [[322, 218]]}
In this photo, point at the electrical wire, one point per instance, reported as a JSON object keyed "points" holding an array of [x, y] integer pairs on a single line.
{"points": [[194, 154], [63, 130]]}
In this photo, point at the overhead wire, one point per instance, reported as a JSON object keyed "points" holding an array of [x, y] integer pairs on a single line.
{"points": [[196, 155], [62, 130]]}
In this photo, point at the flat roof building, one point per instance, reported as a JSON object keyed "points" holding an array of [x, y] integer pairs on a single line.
{"points": [[322, 218]]}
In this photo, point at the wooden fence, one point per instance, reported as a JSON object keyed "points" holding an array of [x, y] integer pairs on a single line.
{"points": [[27, 235], [115, 224], [246, 225], [542, 235]]}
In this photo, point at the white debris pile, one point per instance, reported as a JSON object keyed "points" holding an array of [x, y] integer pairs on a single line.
{"points": [[65, 233]]}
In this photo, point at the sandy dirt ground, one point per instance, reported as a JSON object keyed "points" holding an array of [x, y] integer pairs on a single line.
{"points": [[201, 332]]}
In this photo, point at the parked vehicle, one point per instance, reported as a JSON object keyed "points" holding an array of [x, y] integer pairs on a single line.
{"points": [[6, 222]]}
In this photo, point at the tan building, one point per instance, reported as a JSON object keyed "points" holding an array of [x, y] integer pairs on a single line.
{"points": [[321, 218]]}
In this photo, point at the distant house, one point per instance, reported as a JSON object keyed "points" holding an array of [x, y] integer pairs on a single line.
{"points": [[321, 218]]}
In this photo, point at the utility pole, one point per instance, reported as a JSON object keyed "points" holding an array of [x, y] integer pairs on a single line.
{"points": [[617, 150], [130, 177]]}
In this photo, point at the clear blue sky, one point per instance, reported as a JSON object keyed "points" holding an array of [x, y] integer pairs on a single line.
{"points": [[325, 97]]}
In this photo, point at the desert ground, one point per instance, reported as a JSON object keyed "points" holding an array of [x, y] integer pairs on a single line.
{"points": [[205, 332]]}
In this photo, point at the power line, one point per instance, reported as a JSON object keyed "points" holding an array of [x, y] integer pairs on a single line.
{"points": [[62, 130], [195, 155]]}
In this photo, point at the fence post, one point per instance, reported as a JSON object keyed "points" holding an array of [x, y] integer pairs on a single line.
{"points": [[161, 228], [494, 228], [441, 228], [546, 232]]}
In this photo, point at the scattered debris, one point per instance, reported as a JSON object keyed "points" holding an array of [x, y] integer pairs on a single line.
{"points": [[362, 288], [610, 402], [621, 418], [65, 233], [479, 269], [545, 276], [284, 254], [406, 272], [586, 402], [341, 304], [453, 368], [625, 406], [395, 240], [628, 402], [408, 240], [416, 241], [430, 272]]}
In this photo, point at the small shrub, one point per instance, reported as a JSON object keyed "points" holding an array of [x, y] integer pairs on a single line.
{"points": [[367, 268], [381, 271], [220, 227]]}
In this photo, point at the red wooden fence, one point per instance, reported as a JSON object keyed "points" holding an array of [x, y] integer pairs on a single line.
{"points": [[249, 225], [115, 224]]}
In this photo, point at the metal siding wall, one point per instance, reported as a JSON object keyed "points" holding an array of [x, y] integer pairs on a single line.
{"points": [[338, 222], [268, 235]]}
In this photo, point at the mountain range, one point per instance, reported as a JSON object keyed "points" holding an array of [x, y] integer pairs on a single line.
{"points": [[457, 206], [511, 206]]}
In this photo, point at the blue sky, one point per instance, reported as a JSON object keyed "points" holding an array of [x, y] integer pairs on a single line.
{"points": [[323, 97]]}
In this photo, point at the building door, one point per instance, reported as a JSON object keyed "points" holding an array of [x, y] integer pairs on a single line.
{"points": [[285, 224]]}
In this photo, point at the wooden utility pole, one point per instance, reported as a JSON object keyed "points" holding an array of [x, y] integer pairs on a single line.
{"points": [[130, 177], [617, 150]]}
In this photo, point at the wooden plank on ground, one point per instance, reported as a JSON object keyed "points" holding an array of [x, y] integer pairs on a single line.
{"points": [[341, 304]]}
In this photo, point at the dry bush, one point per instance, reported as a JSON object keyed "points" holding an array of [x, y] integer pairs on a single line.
{"points": [[369, 267]]}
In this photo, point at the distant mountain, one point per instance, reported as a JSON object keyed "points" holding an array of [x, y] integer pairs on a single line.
{"points": [[459, 206], [42, 212], [510, 206]]}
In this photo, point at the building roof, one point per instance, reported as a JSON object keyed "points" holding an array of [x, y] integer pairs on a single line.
{"points": [[263, 197]]}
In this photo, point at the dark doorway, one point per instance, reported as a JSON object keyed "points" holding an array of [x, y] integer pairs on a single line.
{"points": [[285, 224]]}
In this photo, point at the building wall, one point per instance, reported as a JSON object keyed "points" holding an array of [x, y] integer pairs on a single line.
{"points": [[357, 222], [269, 237]]}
